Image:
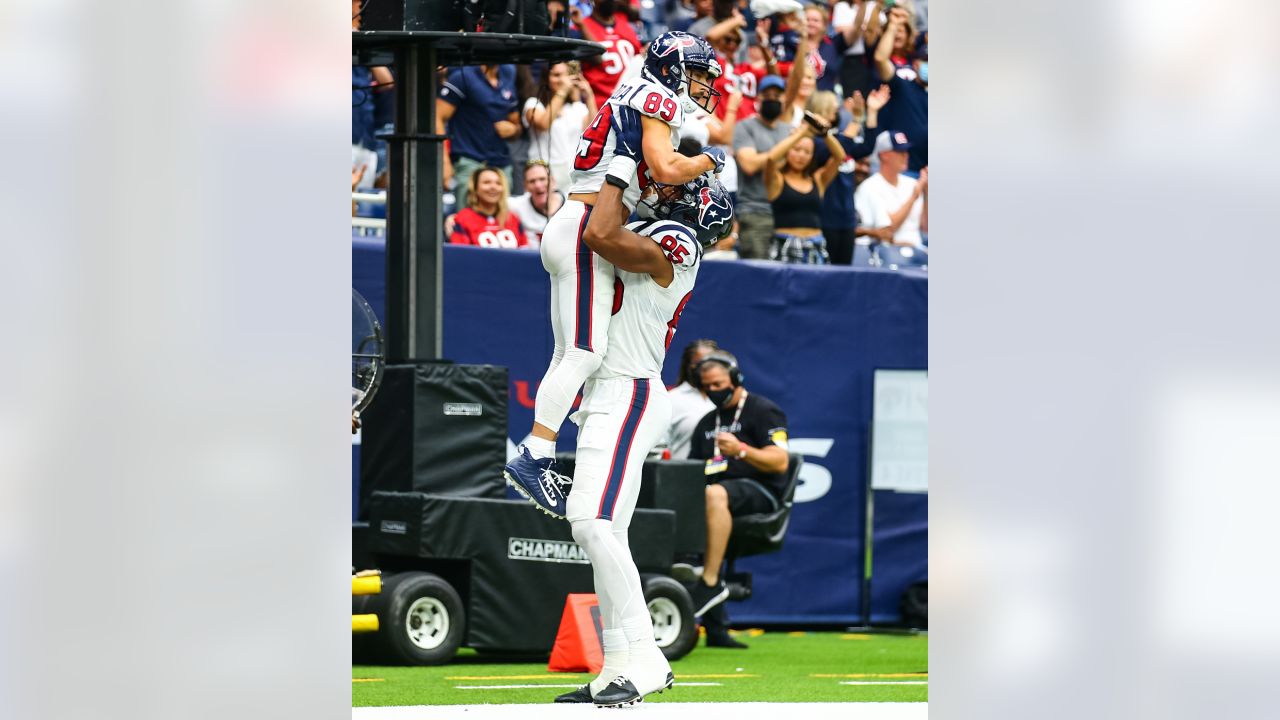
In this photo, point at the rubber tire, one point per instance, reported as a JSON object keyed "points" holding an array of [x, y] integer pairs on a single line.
{"points": [[398, 593], [662, 586]]}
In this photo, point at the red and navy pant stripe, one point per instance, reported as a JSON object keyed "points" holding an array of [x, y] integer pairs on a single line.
{"points": [[622, 448], [585, 267]]}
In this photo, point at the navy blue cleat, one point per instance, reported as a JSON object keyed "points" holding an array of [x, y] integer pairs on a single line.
{"points": [[538, 481]]}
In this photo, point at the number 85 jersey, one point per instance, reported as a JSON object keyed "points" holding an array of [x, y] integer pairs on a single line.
{"points": [[645, 314], [610, 148]]}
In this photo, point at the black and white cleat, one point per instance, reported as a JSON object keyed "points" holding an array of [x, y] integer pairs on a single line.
{"points": [[620, 693]]}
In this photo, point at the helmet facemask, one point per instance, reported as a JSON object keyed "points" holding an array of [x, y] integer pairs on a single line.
{"points": [[711, 97], [663, 199], [682, 204]]}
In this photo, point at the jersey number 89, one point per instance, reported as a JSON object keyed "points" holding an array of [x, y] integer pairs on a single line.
{"points": [[654, 101]]}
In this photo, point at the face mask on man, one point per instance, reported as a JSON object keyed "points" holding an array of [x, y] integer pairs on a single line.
{"points": [[770, 109], [720, 397]]}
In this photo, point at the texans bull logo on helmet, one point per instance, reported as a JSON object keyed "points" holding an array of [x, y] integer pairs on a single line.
{"points": [[668, 44], [711, 211]]}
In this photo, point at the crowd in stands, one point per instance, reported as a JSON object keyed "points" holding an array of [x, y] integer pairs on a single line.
{"points": [[823, 115]]}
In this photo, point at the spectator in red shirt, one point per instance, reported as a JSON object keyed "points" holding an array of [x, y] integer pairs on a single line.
{"points": [[608, 26], [737, 77], [486, 221]]}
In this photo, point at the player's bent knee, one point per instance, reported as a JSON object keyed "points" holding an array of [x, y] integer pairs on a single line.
{"points": [[589, 532], [580, 508]]}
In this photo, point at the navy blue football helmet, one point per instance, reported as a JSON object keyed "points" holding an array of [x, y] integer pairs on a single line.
{"points": [[702, 205], [670, 57]]}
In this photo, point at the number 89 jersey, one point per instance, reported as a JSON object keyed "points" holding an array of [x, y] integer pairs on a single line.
{"points": [[645, 314], [611, 146]]}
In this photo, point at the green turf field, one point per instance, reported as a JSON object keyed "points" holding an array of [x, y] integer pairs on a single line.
{"points": [[778, 667]]}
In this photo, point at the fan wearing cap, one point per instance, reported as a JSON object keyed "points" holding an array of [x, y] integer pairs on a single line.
{"points": [[893, 207], [752, 140]]}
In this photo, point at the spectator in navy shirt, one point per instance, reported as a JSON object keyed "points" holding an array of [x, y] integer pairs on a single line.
{"points": [[371, 111], [481, 109], [362, 142], [906, 70], [783, 38], [839, 218], [827, 57]]}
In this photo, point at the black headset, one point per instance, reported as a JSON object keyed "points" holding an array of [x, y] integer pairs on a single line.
{"points": [[729, 362]]}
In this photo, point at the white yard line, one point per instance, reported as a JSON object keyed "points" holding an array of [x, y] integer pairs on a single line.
{"points": [[523, 687], [666, 711], [883, 683], [511, 687]]}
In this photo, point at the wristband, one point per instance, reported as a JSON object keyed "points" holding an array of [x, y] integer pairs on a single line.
{"points": [[742, 453]]}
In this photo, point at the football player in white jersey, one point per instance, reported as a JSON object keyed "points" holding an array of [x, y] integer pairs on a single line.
{"points": [[630, 144], [625, 412]]}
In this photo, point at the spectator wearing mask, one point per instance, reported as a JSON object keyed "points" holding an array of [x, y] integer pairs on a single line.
{"points": [[688, 403], [744, 443], [608, 26], [539, 202], [557, 116], [850, 21], [795, 190], [486, 220], [893, 208], [839, 216], [752, 140], [905, 68], [478, 105]]}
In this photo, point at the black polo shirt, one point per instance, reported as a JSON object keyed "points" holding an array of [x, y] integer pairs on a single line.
{"points": [[762, 424]]}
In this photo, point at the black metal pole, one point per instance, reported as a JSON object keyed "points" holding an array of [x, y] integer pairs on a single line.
{"points": [[414, 258]]}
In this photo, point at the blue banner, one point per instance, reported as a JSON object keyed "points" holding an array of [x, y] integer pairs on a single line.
{"points": [[808, 338]]}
